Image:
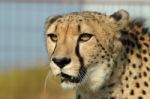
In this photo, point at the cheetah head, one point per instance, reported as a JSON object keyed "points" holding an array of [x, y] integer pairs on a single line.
{"points": [[82, 46]]}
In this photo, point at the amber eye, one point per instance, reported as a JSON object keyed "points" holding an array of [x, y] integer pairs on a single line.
{"points": [[53, 37], [85, 37]]}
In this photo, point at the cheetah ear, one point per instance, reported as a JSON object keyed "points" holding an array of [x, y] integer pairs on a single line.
{"points": [[120, 17], [50, 20]]}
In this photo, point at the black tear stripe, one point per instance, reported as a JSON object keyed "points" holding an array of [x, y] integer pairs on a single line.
{"points": [[53, 52], [82, 70], [79, 28]]}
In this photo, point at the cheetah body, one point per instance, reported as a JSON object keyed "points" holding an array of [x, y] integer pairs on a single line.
{"points": [[114, 61]]}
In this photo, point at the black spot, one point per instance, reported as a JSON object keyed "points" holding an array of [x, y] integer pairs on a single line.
{"points": [[129, 60], [130, 73], [105, 52], [132, 92], [135, 77], [144, 51], [97, 55], [127, 86], [136, 38], [131, 52], [140, 97], [142, 38], [146, 84], [139, 46], [134, 65], [146, 44], [126, 78], [143, 92], [127, 50], [148, 69], [124, 66], [96, 62], [137, 85], [122, 91], [102, 56], [123, 72], [140, 66], [140, 76], [111, 85], [138, 55], [108, 55], [112, 98], [103, 48], [145, 74], [145, 59], [80, 20]]}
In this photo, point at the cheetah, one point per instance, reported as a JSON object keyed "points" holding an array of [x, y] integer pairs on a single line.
{"points": [[100, 56]]}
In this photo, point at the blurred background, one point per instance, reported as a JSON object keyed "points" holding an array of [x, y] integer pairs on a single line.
{"points": [[23, 56]]}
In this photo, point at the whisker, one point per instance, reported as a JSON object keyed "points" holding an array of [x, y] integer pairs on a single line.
{"points": [[45, 82]]}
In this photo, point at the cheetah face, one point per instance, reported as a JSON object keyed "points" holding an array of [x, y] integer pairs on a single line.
{"points": [[78, 52], [72, 48]]}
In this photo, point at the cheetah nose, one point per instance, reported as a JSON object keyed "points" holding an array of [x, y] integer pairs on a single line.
{"points": [[61, 62]]}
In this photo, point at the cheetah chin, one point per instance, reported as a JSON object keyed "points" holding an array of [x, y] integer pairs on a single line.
{"points": [[69, 82]]}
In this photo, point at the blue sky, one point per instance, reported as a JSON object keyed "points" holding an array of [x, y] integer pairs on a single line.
{"points": [[22, 33]]}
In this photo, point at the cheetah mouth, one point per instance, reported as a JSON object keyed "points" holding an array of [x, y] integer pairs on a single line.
{"points": [[73, 79], [68, 78]]}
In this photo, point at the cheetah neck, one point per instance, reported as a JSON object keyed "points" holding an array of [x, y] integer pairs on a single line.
{"points": [[111, 87]]}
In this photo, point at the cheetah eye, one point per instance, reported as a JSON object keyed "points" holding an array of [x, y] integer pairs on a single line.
{"points": [[85, 37], [53, 37]]}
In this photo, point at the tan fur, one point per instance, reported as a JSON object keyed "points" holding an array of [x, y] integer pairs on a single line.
{"points": [[116, 58]]}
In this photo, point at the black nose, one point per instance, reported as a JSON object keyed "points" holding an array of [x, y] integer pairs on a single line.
{"points": [[61, 62]]}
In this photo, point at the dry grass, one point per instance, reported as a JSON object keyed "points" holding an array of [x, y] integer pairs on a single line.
{"points": [[29, 84]]}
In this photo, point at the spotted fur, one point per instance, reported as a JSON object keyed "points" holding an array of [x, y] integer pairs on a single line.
{"points": [[100, 56]]}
